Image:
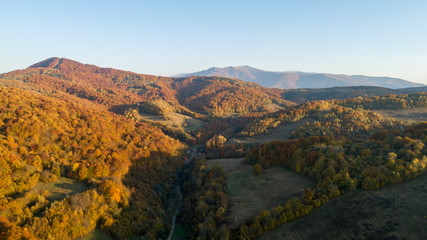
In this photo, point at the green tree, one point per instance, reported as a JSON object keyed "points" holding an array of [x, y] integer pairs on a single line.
{"points": [[257, 169]]}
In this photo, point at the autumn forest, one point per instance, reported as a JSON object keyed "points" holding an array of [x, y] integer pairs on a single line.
{"points": [[99, 153]]}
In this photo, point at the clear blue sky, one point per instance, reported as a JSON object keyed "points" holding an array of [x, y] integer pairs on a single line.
{"points": [[370, 37]]}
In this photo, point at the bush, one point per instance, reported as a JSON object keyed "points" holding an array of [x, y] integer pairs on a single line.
{"points": [[48, 177]]}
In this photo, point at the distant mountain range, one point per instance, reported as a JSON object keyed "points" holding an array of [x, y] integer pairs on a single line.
{"points": [[197, 96], [293, 80]]}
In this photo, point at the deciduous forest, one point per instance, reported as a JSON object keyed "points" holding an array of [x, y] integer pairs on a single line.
{"points": [[86, 149]]}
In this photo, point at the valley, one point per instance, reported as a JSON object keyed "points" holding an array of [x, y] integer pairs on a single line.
{"points": [[128, 155], [213, 120]]}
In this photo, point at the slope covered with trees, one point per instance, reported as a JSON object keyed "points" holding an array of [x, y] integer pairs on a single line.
{"points": [[120, 89], [42, 138], [350, 114], [206, 204], [60, 120]]}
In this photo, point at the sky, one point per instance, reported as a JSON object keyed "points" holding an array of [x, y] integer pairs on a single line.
{"points": [[366, 37]]}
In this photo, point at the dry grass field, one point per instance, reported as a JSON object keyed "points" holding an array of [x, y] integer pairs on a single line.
{"points": [[397, 211], [281, 133], [62, 187], [412, 114], [251, 194], [96, 235], [175, 120]]}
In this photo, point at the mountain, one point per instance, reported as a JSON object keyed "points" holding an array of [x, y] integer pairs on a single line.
{"points": [[292, 80], [71, 166], [118, 90], [196, 96]]}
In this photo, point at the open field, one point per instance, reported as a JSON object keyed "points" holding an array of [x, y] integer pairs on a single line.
{"points": [[61, 188], [251, 194], [395, 212], [96, 235], [281, 133], [410, 114], [175, 120], [274, 107]]}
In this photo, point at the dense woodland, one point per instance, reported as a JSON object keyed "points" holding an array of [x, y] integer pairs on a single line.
{"points": [[118, 90], [351, 111], [60, 118], [206, 204], [309, 95], [44, 138]]}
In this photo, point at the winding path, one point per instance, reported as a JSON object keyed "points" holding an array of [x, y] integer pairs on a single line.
{"points": [[194, 151], [176, 212]]}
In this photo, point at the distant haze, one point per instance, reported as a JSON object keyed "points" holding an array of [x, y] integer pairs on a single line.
{"points": [[292, 80]]}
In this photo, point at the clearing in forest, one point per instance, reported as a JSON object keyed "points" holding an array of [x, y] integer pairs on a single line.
{"points": [[281, 133], [175, 120], [413, 115], [250, 194], [62, 188], [96, 235]]}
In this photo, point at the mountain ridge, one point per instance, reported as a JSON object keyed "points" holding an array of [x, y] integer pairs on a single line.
{"points": [[119, 89], [298, 79]]}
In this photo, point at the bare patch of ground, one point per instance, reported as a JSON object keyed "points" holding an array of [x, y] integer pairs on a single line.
{"points": [[175, 120], [395, 212], [251, 194], [62, 188], [274, 107], [410, 114], [281, 133]]}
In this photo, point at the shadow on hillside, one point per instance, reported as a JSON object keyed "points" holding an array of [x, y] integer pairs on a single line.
{"points": [[152, 202], [120, 109]]}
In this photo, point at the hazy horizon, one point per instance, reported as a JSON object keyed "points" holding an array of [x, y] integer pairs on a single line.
{"points": [[381, 38]]}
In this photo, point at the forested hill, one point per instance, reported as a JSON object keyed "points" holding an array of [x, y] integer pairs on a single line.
{"points": [[351, 111], [312, 94], [195, 96], [126, 166], [59, 129], [118, 89]]}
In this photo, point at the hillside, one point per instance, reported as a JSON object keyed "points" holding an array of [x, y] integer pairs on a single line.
{"points": [[118, 90], [86, 150], [312, 94], [340, 165], [291, 80], [118, 160], [198, 97], [394, 212]]}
